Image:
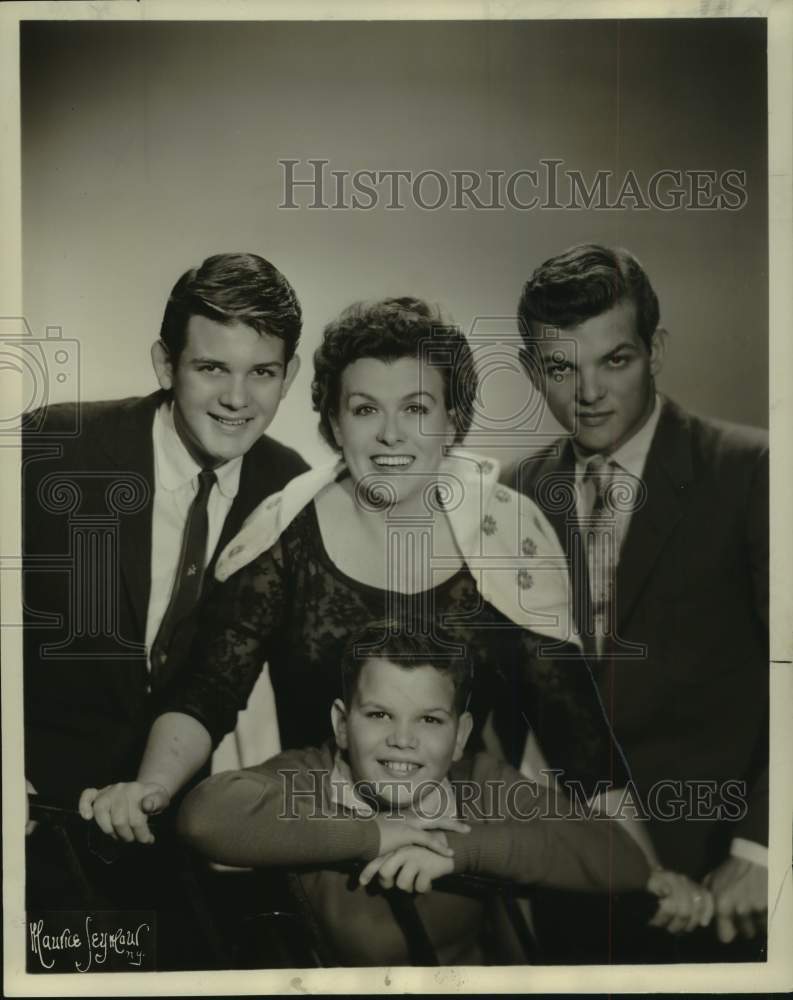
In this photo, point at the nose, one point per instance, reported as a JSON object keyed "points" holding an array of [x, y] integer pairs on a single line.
{"points": [[589, 386], [402, 736], [389, 432], [235, 394]]}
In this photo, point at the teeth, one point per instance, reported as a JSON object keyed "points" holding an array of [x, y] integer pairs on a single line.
{"points": [[231, 423], [400, 766], [392, 459]]}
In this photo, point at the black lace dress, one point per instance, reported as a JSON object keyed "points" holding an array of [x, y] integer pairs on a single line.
{"points": [[293, 608]]}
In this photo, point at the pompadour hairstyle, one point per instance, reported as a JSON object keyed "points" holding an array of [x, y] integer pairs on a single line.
{"points": [[233, 287], [583, 282]]}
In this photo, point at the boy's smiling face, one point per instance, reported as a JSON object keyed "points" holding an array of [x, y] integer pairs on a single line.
{"points": [[401, 731]]}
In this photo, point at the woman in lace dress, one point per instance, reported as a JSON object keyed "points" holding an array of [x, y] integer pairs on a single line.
{"points": [[406, 526]]}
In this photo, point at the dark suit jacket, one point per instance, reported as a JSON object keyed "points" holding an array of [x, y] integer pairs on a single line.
{"points": [[88, 486], [690, 711]]}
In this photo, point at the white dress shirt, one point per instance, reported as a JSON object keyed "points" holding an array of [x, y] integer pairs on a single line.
{"points": [[630, 457], [175, 486]]}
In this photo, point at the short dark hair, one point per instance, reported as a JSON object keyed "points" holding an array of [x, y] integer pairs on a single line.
{"points": [[233, 287], [388, 330], [426, 644], [585, 281]]}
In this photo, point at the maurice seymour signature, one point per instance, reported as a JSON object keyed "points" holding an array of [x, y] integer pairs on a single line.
{"points": [[91, 946]]}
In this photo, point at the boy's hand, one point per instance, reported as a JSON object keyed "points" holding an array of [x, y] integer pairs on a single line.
{"points": [[403, 831], [684, 905], [121, 810], [411, 868]]}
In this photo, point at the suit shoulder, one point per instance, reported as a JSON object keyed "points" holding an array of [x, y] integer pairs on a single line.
{"points": [[74, 418], [722, 440], [278, 461], [522, 473]]}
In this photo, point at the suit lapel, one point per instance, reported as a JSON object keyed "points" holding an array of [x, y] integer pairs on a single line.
{"points": [[249, 494], [129, 448], [667, 475], [551, 485]]}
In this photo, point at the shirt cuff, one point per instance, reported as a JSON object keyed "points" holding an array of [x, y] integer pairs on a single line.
{"points": [[749, 850]]}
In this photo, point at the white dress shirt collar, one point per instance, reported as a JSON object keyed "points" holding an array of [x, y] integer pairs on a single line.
{"points": [[631, 456], [175, 464]]}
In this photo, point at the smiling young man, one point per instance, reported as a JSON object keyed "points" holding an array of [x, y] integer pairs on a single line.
{"points": [[675, 617], [159, 484]]}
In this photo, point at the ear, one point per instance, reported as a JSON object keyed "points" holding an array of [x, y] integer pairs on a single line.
{"points": [[289, 376], [451, 430], [338, 719], [531, 363], [464, 726], [334, 426], [658, 350], [163, 367]]}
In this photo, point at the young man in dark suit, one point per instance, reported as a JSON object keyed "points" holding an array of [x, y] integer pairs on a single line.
{"points": [[126, 505], [666, 530]]}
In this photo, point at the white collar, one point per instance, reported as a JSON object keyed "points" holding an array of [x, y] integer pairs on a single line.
{"points": [[176, 466], [509, 545], [631, 456]]}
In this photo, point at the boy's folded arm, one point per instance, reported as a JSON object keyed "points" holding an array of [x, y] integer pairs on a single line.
{"points": [[264, 816], [557, 853], [532, 835]]}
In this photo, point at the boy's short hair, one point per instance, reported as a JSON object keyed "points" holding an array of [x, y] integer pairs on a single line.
{"points": [[229, 288], [428, 645], [583, 282]]}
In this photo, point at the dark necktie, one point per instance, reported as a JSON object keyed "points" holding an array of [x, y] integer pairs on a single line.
{"points": [[166, 650]]}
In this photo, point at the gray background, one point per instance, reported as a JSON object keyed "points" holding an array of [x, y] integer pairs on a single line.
{"points": [[148, 146]]}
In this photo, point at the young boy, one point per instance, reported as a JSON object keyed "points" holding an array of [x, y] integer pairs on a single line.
{"points": [[396, 793]]}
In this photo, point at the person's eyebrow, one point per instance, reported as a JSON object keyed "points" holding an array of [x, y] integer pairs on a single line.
{"points": [[626, 345], [224, 364], [409, 395], [209, 361], [549, 360]]}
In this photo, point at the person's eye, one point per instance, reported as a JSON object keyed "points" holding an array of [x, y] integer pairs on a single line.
{"points": [[209, 367], [363, 410], [377, 714], [417, 408], [559, 368], [619, 360], [434, 719], [265, 372]]}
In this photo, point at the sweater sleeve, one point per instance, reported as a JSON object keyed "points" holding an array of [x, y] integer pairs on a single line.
{"points": [[278, 813], [529, 835]]}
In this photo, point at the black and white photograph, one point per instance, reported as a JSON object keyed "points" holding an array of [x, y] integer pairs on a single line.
{"points": [[396, 439]]}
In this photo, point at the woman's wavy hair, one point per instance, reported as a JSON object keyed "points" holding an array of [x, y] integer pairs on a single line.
{"points": [[584, 282], [387, 331]]}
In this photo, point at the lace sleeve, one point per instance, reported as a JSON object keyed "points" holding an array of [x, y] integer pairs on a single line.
{"points": [[232, 644]]}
